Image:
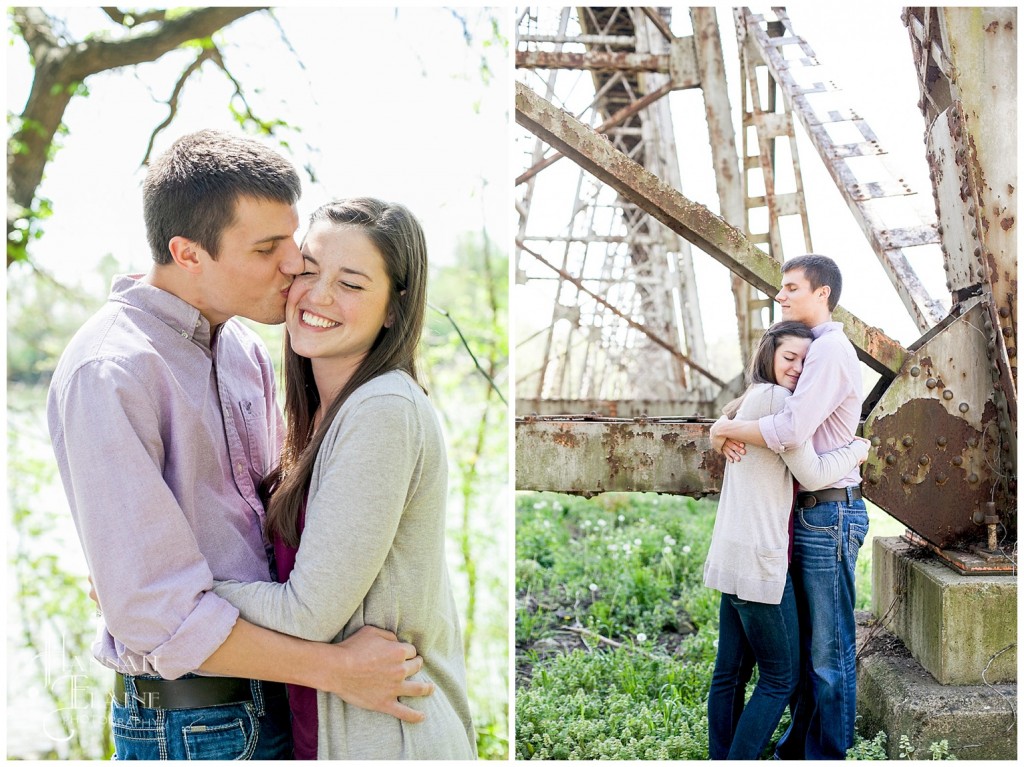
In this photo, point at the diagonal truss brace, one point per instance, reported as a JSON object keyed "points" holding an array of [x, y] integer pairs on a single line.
{"points": [[691, 220]]}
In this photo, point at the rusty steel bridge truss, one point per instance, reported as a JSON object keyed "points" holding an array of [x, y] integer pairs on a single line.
{"points": [[621, 346]]}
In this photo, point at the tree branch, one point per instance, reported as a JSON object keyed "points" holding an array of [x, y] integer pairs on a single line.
{"points": [[172, 102], [133, 19], [150, 44], [59, 72]]}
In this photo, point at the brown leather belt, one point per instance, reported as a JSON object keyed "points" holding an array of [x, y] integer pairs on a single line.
{"points": [[194, 692], [829, 495]]}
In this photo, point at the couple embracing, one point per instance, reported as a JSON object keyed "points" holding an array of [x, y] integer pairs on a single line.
{"points": [[269, 588], [789, 527]]}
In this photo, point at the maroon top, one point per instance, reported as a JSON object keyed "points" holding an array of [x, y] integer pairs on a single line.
{"points": [[301, 700]]}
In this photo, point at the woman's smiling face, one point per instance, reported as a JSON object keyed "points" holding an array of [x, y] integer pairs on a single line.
{"points": [[789, 360], [339, 303]]}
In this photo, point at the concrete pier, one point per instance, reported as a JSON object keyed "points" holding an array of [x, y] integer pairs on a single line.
{"points": [[946, 667]]}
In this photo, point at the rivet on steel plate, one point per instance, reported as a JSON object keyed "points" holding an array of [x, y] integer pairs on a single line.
{"points": [[964, 407], [941, 441], [915, 371], [947, 394]]}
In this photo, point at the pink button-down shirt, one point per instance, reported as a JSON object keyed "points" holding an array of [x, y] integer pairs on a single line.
{"points": [[162, 432], [825, 408]]}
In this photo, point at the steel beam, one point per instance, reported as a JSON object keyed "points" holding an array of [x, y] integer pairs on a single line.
{"points": [[594, 60], [630, 408], [568, 455], [691, 220]]}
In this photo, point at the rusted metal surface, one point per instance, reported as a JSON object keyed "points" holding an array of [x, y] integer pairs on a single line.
{"points": [[938, 456], [969, 60], [691, 220], [923, 308], [967, 562], [730, 179], [595, 456], [631, 408], [611, 122], [594, 60]]}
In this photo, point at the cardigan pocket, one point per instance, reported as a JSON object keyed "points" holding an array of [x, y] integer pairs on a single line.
{"points": [[771, 564]]}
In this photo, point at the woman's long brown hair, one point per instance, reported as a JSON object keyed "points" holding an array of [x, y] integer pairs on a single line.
{"points": [[761, 368], [399, 239]]}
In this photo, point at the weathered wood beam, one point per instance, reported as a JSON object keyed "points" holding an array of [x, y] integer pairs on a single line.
{"points": [[691, 220]]}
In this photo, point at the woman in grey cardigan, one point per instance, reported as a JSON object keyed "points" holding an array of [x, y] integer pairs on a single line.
{"points": [[748, 557], [363, 481]]}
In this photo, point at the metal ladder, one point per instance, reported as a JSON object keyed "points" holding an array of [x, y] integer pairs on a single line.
{"points": [[800, 82]]}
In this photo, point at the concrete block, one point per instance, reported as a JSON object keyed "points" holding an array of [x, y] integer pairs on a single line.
{"points": [[961, 628], [896, 695]]}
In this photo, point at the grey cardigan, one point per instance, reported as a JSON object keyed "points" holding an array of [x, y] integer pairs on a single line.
{"points": [[749, 549], [373, 553]]}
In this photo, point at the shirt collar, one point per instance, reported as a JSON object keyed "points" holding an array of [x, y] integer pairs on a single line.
{"points": [[181, 316], [826, 327]]}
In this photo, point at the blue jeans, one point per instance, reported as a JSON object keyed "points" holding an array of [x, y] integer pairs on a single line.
{"points": [[827, 539], [257, 729], [750, 632]]}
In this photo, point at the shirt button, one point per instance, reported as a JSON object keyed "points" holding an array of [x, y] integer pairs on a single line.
{"points": [[241, 467], [184, 334]]}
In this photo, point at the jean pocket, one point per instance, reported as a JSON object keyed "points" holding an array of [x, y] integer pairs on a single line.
{"points": [[855, 539], [223, 737]]}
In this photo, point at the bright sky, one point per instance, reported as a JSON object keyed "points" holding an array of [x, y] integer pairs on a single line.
{"points": [[868, 56], [393, 100]]}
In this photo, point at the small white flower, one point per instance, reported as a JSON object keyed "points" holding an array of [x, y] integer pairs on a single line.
{"points": [[556, 506], [669, 540], [621, 518], [667, 550], [637, 541], [613, 547], [586, 523], [715, 643], [654, 501], [547, 523], [593, 587], [601, 522], [540, 505], [641, 637], [686, 549]]}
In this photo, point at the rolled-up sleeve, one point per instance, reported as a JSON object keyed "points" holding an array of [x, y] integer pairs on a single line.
{"points": [[820, 390], [152, 581]]}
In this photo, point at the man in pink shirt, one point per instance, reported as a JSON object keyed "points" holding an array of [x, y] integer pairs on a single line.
{"points": [[163, 420], [830, 525]]}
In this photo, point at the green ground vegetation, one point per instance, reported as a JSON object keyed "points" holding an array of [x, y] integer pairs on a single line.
{"points": [[616, 634]]}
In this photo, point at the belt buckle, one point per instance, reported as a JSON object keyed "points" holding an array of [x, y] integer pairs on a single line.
{"points": [[810, 501]]}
